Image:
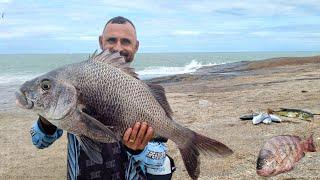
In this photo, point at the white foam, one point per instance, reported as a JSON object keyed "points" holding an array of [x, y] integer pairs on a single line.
{"points": [[149, 72], [15, 78], [164, 71]]}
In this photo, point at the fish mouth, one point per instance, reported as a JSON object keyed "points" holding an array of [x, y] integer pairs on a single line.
{"points": [[22, 101], [265, 173], [260, 163], [261, 172]]}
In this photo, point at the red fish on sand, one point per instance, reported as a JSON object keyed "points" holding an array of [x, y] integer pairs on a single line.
{"points": [[281, 153]]}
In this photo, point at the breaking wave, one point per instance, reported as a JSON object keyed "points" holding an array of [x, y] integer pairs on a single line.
{"points": [[158, 71], [147, 73], [16, 78]]}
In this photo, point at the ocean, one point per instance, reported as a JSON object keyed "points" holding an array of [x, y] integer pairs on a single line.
{"points": [[17, 68]]}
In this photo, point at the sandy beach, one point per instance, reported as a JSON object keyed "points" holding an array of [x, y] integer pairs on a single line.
{"points": [[210, 102]]}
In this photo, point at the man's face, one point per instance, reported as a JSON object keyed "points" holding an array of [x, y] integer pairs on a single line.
{"points": [[120, 38]]}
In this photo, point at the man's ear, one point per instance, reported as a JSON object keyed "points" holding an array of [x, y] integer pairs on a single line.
{"points": [[137, 45], [100, 42]]}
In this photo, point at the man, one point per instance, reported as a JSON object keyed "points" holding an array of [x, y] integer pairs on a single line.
{"points": [[136, 158]]}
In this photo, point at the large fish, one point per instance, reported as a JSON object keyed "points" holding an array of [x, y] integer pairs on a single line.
{"points": [[280, 154], [100, 98]]}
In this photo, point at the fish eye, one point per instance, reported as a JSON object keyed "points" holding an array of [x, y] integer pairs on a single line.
{"points": [[45, 84]]}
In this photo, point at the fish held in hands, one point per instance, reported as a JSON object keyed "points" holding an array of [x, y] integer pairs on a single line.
{"points": [[98, 99]]}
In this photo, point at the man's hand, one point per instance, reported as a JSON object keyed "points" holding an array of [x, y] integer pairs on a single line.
{"points": [[41, 139], [137, 138]]}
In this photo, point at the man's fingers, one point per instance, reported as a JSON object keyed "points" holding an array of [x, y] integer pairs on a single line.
{"points": [[137, 137], [141, 134], [126, 135], [134, 132], [149, 135]]}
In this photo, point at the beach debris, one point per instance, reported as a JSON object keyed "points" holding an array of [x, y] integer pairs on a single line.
{"points": [[204, 103], [272, 115], [262, 117], [266, 118], [281, 153], [98, 99], [248, 116], [295, 113]]}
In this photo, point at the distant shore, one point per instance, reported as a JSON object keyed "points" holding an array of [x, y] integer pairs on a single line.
{"points": [[210, 102]]}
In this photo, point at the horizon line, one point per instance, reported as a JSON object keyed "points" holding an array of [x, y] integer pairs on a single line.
{"points": [[266, 51]]}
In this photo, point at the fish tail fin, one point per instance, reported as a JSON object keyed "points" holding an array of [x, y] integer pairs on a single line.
{"points": [[210, 146], [190, 152], [190, 157], [309, 144]]}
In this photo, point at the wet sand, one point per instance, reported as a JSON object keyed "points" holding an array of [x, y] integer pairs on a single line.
{"points": [[210, 102]]}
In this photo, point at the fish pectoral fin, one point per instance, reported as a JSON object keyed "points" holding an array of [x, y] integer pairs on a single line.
{"points": [[95, 129], [91, 148]]}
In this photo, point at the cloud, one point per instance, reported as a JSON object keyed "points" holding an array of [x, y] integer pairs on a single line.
{"points": [[186, 33], [159, 21], [153, 46], [5, 1], [89, 38], [288, 35], [151, 6], [252, 8], [203, 33], [77, 37], [29, 31], [9, 35], [261, 33]]}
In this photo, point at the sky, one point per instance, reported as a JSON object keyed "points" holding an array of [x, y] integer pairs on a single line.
{"points": [[28, 26]]}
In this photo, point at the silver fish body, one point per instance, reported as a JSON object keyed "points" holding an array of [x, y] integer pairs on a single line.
{"points": [[281, 153], [100, 98]]}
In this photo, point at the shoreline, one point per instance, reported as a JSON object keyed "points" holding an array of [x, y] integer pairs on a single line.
{"points": [[236, 68], [210, 102]]}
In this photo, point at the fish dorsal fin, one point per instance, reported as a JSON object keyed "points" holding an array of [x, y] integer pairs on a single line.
{"points": [[159, 93], [93, 54], [115, 60]]}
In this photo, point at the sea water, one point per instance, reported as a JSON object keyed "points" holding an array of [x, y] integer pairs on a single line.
{"points": [[17, 68]]}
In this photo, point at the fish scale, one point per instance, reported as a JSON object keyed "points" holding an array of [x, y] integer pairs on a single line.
{"points": [[117, 92]]}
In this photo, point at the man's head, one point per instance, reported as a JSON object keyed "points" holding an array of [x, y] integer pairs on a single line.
{"points": [[119, 35]]}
